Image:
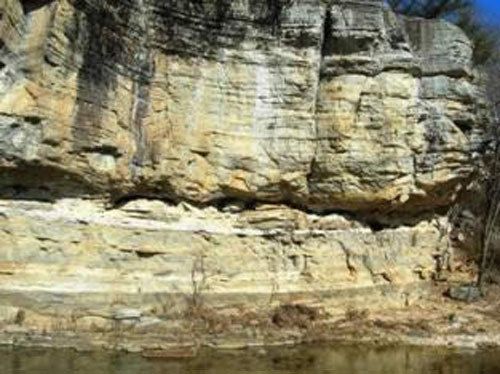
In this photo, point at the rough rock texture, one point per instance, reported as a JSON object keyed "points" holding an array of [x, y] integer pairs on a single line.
{"points": [[162, 155]]}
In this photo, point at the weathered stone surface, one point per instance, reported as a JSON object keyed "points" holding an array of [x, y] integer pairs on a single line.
{"points": [[329, 105], [468, 293], [162, 157], [75, 266]]}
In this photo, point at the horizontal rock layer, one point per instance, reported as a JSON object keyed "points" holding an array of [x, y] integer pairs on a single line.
{"points": [[159, 157], [75, 266]]}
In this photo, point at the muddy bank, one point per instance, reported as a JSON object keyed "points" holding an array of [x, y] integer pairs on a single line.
{"points": [[433, 321]]}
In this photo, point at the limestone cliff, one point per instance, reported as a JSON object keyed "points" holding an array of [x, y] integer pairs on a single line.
{"points": [[160, 155]]}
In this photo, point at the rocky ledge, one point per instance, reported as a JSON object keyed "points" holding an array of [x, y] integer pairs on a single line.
{"points": [[172, 170]]}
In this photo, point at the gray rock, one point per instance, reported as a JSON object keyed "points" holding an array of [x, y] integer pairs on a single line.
{"points": [[465, 293], [127, 314]]}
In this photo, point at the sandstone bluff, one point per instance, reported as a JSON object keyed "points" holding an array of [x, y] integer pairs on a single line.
{"points": [[179, 172]]}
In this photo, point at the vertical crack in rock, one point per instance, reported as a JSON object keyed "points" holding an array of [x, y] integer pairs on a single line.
{"points": [[324, 46], [141, 87], [326, 39], [348, 259]]}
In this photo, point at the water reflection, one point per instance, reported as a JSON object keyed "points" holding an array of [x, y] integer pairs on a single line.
{"points": [[311, 360]]}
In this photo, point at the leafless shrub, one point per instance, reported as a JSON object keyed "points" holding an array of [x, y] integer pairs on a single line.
{"points": [[295, 315], [355, 314]]}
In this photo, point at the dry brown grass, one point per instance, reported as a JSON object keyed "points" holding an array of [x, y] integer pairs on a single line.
{"points": [[295, 315]]}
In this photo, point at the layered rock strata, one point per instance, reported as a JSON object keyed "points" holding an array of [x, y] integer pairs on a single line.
{"points": [[159, 156]]}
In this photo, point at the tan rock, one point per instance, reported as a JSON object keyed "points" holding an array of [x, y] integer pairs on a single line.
{"points": [[358, 123], [181, 162]]}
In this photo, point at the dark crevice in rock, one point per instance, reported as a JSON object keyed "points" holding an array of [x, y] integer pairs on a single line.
{"points": [[375, 220], [145, 255], [43, 184], [221, 204], [103, 150], [465, 126], [32, 5], [33, 120], [327, 42], [375, 226], [36, 193], [142, 254]]}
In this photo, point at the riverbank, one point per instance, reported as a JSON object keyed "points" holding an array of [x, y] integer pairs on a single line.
{"points": [[434, 320], [153, 276]]}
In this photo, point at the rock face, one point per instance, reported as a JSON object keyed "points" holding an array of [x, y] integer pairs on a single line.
{"points": [[163, 154]]}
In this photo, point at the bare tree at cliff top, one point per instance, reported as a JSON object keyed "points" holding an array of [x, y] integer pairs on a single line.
{"points": [[492, 173], [487, 58], [492, 213]]}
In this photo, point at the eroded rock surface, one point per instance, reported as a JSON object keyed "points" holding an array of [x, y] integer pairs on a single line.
{"points": [[290, 151], [329, 106]]}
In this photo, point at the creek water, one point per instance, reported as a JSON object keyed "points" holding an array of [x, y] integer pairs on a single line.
{"points": [[284, 360]]}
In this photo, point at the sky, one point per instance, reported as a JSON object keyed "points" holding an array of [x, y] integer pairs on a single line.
{"points": [[490, 10]]}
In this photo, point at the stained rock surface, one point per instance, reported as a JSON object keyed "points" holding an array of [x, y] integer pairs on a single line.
{"points": [[162, 155]]}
